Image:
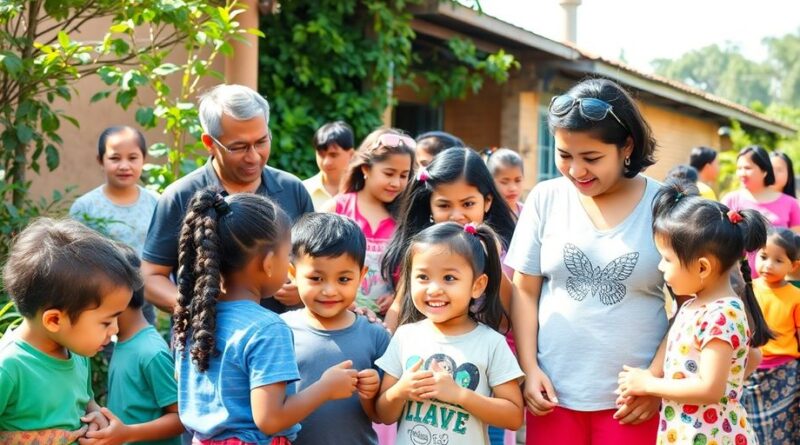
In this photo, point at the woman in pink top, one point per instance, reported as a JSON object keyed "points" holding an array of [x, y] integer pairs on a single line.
{"points": [[754, 170], [375, 178]]}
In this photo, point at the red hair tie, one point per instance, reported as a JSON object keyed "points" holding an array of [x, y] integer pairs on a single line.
{"points": [[422, 175], [734, 216], [470, 228]]}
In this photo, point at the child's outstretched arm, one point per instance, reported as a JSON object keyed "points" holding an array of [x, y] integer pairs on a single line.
{"points": [[714, 366], [166, 426], [395, 392], [273, 412]]}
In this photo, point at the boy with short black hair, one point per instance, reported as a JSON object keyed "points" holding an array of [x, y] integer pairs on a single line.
{"points": [[70, 284], [334, 144], [328, 266], [142, 391]]}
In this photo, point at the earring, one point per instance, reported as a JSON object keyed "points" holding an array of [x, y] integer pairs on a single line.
{"points": [[430, 218], [627, 161]]}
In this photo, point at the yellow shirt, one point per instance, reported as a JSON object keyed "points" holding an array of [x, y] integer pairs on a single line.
{"points": [[706, 191], [781, 309], [319, 195]]}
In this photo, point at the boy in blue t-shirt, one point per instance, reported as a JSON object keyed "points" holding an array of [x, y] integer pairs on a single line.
{"points": [[328, 266], [142, 391], [70, 284]]}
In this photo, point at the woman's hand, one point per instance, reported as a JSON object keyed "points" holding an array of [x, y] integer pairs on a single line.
{"points": [[540, 396]]}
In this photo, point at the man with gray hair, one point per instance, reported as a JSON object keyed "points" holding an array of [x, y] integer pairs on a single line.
{"points": [[236, 134]]}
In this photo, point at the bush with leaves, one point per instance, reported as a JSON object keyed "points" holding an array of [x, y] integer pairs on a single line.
{"points": [[326, 60]]}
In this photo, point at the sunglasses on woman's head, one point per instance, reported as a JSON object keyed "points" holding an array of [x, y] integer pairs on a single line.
{"points": [[590, 108], [395, 140]]}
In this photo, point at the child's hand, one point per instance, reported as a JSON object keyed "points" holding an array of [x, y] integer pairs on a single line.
{"points": [[407, 387], [95, 420], [633, 381], [369, 382], [440, 386], [341, 380], [114, 434]]}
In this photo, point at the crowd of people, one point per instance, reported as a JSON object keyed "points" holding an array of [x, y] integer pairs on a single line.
{"points": [[407, 295]]}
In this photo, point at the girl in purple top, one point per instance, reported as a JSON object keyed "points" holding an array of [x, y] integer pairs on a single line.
{"points": [[755, 173], [375, 178]]}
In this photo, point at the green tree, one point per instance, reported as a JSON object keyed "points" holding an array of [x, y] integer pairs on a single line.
{"points": [[783, 56], [339, 59], [722, 71]]}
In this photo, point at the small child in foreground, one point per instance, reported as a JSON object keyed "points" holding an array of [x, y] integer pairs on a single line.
{"points": [[328, 264]]}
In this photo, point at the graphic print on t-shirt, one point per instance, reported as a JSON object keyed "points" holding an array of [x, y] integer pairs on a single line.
{"points": [[588, 280], [440, 415]]}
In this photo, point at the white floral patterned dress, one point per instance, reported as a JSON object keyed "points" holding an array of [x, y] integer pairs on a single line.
{"points": [[723, 423]]}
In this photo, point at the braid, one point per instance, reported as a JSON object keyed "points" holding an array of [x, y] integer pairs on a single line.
{"points": [[186, 280], [206, 287]]}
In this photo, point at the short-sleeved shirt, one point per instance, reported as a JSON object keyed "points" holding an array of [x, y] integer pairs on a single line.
{"points": [[478, 360], [336, 421], [781, 309], [163, 235], [125, 223], [601, 304], [141, 380], [316, 189], [706, 191], [694, 327], [373, 286], [38, 391], [254, 348], [782, 212]]}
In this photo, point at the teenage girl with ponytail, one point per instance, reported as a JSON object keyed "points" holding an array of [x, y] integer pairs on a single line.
{"points": [[705, 357], [235, 359]]}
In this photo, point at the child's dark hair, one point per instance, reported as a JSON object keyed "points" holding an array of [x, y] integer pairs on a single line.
{"points": [[328, 235], [435, 142], [683, 173], [786, 240], [447, 167], [759, 156], [62, 264], [694, 227], [609, 130], [110, 131], [702, 156], [789, 188], [478, 249], [504, 158], [368, 154], [137, 300], [219, 236], [338, 133]]}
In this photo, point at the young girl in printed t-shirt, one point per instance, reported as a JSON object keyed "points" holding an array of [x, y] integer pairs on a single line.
{"points": [[772, 393], [375, 178], [448, 373], [704, 361], [235, 360]]}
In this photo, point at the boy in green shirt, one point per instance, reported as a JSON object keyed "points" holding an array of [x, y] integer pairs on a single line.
{"points": [[70, 284], [142, 391]]}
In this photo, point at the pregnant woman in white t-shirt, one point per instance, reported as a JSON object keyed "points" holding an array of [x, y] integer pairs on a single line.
{"points": [[589, 290]]}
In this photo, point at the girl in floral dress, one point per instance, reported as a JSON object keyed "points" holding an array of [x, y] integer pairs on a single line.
{"points": [[701, 383]]}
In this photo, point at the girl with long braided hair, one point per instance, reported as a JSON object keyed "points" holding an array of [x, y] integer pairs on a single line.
{"points": [[236, 361]]}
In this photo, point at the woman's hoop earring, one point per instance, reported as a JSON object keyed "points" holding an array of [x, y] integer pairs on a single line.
{"points": [[628, 161]]}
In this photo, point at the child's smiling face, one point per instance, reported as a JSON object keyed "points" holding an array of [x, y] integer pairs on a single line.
{"points": [[443, 286], [327, 285]]}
